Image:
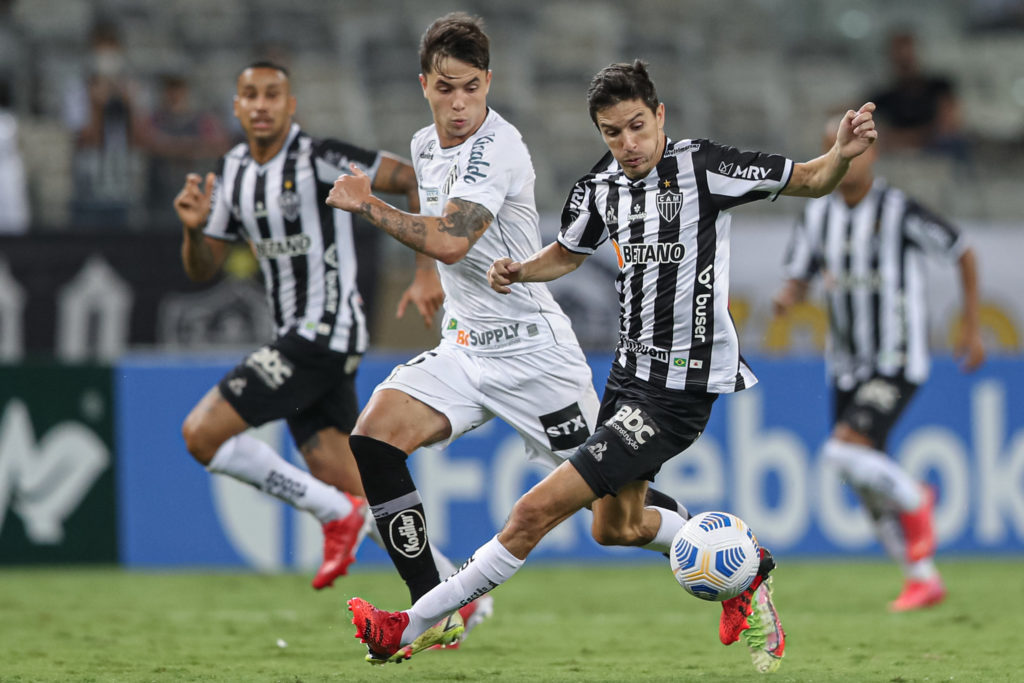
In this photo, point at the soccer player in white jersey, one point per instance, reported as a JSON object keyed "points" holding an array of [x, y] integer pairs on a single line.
{"points": [[269, 191], [663, 204], [512, 357], [869, 241]]}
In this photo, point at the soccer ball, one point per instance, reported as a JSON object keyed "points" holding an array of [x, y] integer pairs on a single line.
{"points": [[715, 556]]}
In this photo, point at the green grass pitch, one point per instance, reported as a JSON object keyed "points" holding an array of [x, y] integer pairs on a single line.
{"points": [[551, 623]]}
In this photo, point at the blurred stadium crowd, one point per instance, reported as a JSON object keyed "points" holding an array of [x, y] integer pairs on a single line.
{"points": [[753, 72]]}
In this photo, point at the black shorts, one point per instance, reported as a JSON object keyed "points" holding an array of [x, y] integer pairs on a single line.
{"points": [[872, 407], [309, 386], [639, 428]]}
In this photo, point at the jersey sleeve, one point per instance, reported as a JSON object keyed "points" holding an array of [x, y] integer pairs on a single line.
{"points": [[332, 158], [737, 177], [802, 259], [583, 229], [490, 172], [934, 234], [222, 223]]}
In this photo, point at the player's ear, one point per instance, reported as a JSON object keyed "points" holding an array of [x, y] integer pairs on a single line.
{"points": [[292, 104], [423, 84]]}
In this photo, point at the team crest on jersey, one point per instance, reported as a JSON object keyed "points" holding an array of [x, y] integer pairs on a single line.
{"points": [[289, 202], [669, 203]]}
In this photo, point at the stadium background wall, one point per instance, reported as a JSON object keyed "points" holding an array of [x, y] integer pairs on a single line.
{"points": [[92, 469]]}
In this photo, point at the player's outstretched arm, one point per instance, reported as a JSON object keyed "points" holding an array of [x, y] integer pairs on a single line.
{"points": [[550, 263], [818, 177], [969, 347], [446, 238], [200, 255]]}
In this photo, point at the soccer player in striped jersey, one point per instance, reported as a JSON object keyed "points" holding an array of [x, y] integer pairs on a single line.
{"points": [[868, 242], [515, 357], [663, 203], [269, 191]]}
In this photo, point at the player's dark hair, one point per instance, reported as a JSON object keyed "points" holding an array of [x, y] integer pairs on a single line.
{"points": [[456, 35], [621, 82], [266, 64]]}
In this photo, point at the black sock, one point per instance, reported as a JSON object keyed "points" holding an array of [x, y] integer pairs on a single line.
{"points": [[398, 511], [656, 498]]}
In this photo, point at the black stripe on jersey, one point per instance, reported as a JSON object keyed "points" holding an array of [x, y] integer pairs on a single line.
{"points": [[327, 233], [259, 201], [668, 272], [637, 204], [235, 221], [293, 225], [846, 274], [702, 314], [876, 277]]}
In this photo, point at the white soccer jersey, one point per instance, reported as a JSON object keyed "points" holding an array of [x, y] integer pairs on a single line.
{"points": [[871, 257], [305, 248], [493, 169], [670, 232]]}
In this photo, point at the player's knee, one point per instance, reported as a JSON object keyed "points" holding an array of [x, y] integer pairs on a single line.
{"points": [[529, 520]]}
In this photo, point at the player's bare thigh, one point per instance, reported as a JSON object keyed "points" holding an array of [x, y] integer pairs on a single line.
{"points": [[396, 418], [209, 424]]}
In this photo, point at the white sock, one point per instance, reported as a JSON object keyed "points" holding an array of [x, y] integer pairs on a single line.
{"points": [[865, 467], [489, 567], [248, 459], [671, 523]]}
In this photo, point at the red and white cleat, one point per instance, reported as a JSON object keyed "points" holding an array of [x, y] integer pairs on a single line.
{"points": [[919, 594], [341, 541]]}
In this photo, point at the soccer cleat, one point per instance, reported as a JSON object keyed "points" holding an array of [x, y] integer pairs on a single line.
{"points": [[472, 615], [919, 528], [443, 634], [341, 540], [735, 611], [765, 637], [380, 630], [919, 594]]}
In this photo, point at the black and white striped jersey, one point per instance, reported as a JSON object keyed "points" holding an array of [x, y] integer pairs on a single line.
{"points": [[871, 258], [305, 248], [670, 231]]}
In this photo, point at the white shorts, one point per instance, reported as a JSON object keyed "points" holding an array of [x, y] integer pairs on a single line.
{"points": [[546, 395]]}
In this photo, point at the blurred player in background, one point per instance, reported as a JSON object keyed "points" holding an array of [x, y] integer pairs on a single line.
{"points": [[868, 242], [270, 191], [513, 357], [664, 206]]}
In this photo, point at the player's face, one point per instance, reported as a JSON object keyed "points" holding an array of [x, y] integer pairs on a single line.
{"points": [[264, 106], [634, 134], [457, 93]]}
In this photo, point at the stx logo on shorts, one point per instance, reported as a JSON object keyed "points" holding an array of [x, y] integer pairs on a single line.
{"points": [[565, 428], [633, 425], [270, 365], [408, 533]]}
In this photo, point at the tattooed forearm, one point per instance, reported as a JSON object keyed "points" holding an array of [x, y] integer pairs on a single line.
{"points": [[469, 221], [409, 229]]}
